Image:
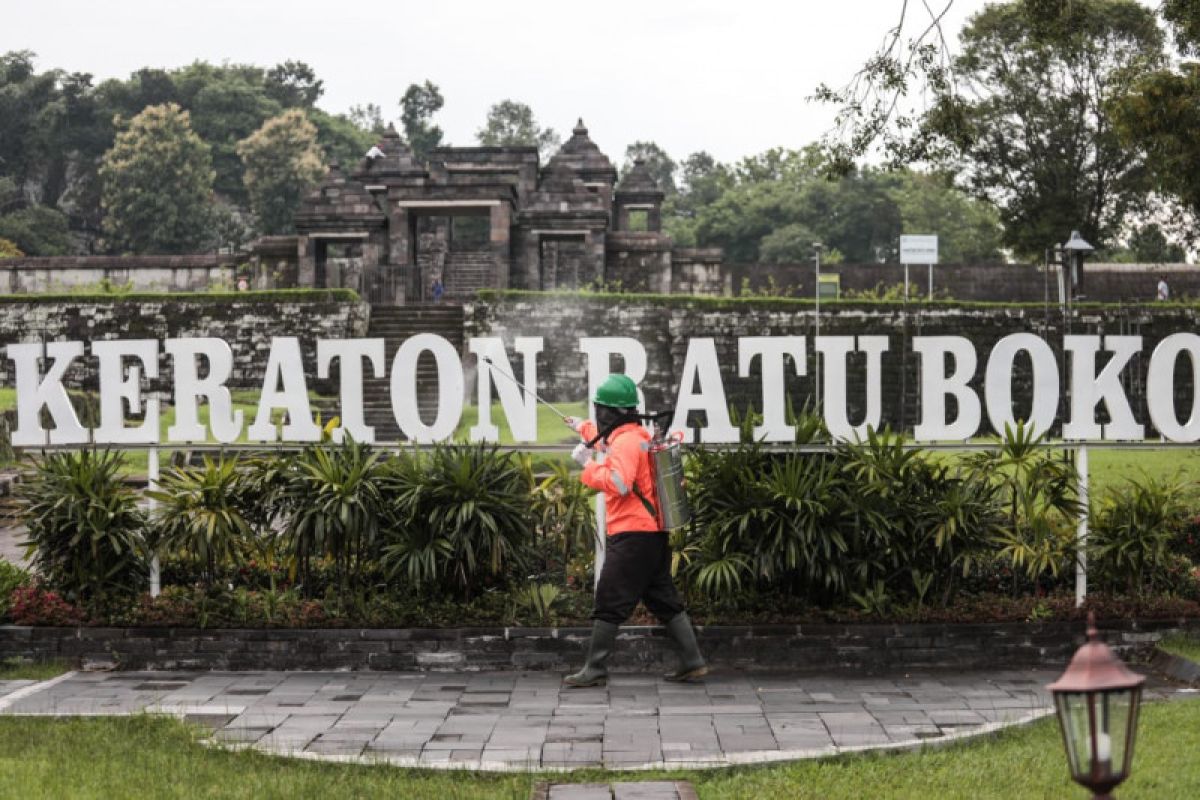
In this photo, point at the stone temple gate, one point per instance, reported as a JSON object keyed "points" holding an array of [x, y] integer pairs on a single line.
{"points": [[485, 218]]}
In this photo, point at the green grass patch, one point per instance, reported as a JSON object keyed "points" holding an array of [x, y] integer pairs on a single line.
{"points": [[713, 303], [550, 427], [271, 296], [12, 669], [1183, 645], [144, 756]]}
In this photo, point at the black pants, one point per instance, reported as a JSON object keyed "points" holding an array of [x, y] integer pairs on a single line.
{"points": [[637, 566]]}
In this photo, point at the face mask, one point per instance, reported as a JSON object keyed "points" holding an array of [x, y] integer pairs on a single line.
{"points": [[608, 417]]}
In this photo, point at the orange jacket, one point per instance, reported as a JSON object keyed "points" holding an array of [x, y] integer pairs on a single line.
{"points": [[626, 465]]}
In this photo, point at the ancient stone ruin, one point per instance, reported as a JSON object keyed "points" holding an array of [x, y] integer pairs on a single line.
{"points": [[476, 218]]}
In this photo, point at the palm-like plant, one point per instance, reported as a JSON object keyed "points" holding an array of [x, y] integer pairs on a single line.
{"points": [[1037, 491], [1134, 528], [456, 514], [332, 504], [86, 535], [201, 512]]}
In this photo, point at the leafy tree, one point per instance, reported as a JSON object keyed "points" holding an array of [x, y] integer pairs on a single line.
{"points": [[1148, 244], [25, 116], [9, 250], [368, 118], [157, 184], [1032, 127], [661, 166], [37, 231], [511, 123], [227, 103], [292, 84], [417, 107], [340, 139], [281, 160], [1160, 115], [968, 229]]}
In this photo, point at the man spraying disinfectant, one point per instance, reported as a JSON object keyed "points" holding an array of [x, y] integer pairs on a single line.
{"points": [[641, 479]]}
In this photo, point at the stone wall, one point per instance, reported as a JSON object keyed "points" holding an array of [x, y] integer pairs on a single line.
{"points": [[140, 273], [664, 327], [814, 648], [247, 321], [1016, 283]]}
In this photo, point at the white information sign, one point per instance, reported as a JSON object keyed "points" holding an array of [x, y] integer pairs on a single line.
{"points": [[921, 249]]}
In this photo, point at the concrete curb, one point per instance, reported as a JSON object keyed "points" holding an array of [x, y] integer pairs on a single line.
{"points": [[1176, 667]]}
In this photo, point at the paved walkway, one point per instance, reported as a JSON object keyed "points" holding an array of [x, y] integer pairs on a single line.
{"points": [[525, 721]]}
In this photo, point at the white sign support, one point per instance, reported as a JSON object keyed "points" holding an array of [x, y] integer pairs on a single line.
{"points": [[1081, 537], [601, 532], [151, 485]]}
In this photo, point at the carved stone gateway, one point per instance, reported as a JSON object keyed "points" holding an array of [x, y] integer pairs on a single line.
{"points": [[472, 218]]}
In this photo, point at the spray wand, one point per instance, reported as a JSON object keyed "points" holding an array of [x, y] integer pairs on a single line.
{"points": [[512, 378]]}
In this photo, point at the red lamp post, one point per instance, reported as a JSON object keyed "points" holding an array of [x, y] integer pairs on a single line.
{"points": [[1097, 701]]}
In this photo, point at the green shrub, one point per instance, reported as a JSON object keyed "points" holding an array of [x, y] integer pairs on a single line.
{"points": [[460, 516], [86, 534], [331, 502], [1037, 494], [11, 577], [1133, 534], [564, 518], [200, 513]]}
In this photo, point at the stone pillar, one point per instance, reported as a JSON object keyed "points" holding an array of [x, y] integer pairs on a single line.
{"points": [[501, 245], [528, 260], [654, 218], [593, 248], [306, 253]]}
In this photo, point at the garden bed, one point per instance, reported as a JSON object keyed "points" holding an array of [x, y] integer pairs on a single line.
{"points": [[808, 647]]}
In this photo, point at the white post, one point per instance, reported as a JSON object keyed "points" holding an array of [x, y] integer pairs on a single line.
{"points": [[152, 484], [601, 532], [1081, 466], [931, 281], [817, 324], [906, 282]]}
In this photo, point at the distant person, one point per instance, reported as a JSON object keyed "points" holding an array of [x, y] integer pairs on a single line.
{"points": [[1164, 291], [438, 290]]}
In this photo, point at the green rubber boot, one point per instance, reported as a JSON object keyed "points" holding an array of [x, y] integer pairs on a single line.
{"points": [[691, 663], [594, 673]]}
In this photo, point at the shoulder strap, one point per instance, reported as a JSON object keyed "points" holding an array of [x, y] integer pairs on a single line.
{"points": [[650, 509]]}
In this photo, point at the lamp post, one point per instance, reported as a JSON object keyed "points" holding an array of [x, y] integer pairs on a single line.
{"points": [[1097, 701], [1075, 250]]}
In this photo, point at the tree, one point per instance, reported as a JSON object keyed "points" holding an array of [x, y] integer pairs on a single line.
{"points": [[968, 229], [417, 107], [510, 124], [157, 184], [293, 84], [368, 118], [661, 166], [281, 161], [37, 230], [9, 249], [1160, 115], [1031, 127]]}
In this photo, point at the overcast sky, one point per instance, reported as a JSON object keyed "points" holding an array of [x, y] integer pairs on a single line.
{"points": [[726, 76]]}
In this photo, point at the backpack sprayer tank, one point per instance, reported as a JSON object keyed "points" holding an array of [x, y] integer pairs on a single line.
{"points": [[666, 466]]}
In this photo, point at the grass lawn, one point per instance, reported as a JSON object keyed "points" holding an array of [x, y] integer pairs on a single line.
{"points": [[1182, 645], [13, 670], [155, 757], [550, 427]]}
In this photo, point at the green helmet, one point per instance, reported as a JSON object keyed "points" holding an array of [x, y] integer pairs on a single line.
{"points": [[618, 391]]}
